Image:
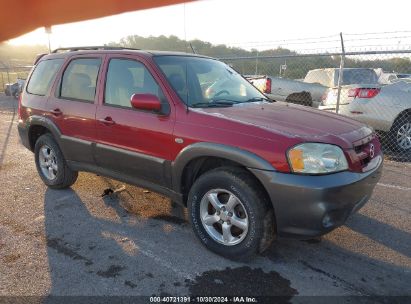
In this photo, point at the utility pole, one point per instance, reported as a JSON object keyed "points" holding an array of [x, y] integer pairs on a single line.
{"points": [[340, 74], [48, 31], [256, 64]]}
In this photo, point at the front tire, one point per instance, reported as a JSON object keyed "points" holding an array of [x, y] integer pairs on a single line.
{"points": [[51, 165], [230, 214]]}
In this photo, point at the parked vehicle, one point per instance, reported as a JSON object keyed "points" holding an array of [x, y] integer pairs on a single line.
{"points": [[11, 89], [402, 75], [20, 83], [387, 108], [14, 89], [311, 90], [289, 90], [248, 169]]}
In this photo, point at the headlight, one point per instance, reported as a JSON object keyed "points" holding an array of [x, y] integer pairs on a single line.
{"points": [[315, 158]]}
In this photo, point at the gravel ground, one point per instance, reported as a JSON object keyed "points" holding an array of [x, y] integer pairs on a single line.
{"points": [[77, 243]]}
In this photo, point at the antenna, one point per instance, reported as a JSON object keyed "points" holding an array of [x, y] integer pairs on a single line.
{"points": [[184, 25], [185, 39], [187, 90], [192, 48]]}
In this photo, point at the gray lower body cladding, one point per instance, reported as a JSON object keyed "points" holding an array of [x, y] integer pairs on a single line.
{"points": [[310, 206]]}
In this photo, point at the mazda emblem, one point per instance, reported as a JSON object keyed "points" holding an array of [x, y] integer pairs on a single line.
{"points": [[372, 150]]}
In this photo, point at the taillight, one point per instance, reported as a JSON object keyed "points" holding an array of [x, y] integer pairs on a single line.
{"points": [[363, 93], [267, 88]]}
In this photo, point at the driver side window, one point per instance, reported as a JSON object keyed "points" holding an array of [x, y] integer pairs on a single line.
{"points": [[128, 77]]}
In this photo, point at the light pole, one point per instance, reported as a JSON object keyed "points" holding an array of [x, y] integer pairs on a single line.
{"points": [[47, 29]]}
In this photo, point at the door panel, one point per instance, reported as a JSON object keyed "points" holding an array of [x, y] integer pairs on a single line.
{"points": [[73, 108], [132, 142]]}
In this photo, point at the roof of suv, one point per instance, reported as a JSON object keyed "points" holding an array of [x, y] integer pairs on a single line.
{"points": [[68, 52]]}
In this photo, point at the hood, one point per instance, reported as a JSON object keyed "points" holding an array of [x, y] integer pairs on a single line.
{"points": [[292, 120]]}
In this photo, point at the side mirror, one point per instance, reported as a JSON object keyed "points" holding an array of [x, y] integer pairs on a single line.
{"points": [[147, 102]]}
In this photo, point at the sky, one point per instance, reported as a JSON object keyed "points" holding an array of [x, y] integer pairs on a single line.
{"points": [[259, 24]]}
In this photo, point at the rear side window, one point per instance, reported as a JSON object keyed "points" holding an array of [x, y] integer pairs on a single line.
{"points": [[357, 76], [322, 77], [43, 76], [80, 79]]}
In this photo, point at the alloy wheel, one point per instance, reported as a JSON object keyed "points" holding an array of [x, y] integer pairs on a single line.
{"points": [[48, 162], [224, 217], [404, 136]]}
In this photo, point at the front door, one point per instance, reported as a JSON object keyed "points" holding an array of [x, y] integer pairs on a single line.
{"points": [[132, 142]]}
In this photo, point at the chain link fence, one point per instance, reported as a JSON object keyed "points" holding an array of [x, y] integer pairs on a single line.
{"points": [[12, 78], [373, 87]]}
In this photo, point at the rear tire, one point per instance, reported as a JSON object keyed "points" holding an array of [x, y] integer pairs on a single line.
{"points": [[51, 165], [301, 98], [230, 213]]}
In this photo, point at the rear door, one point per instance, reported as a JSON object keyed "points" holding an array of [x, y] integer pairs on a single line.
{"points": [[38, 87], [133, 143], [73, 107]]}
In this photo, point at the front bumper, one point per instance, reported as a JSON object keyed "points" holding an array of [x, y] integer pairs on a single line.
{"points": [[309, 206]]}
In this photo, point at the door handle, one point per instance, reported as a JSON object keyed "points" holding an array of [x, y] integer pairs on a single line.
{"points": [[107, 121], [56, 112]]}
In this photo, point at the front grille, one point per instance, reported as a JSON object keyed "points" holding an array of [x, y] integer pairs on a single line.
{"points": [[366, 149]]}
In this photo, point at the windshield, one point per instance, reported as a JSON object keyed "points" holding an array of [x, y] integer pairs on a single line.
{"points": [[358, 76], [202, 82]]}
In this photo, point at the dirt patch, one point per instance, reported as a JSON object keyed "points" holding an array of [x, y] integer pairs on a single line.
{"points": [[11, 258], [13, 225], [243, 281], [7, 166]]}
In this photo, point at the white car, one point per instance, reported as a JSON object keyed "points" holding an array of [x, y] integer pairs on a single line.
{"points": [[386, 108]]}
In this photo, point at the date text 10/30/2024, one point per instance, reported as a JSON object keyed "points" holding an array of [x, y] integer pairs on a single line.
{"points": [[199, 299]]}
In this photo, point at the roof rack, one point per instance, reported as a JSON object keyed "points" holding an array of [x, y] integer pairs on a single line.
{"points": [[90, 48]]}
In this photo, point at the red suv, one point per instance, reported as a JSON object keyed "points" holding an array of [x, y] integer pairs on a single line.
{"points": [[248, 169]]}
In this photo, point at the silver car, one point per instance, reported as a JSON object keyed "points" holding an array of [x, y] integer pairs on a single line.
{"points": [[386, 108]]}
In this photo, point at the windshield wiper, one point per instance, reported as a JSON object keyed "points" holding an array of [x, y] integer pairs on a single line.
{"points": [[214, 104], [225, 102], [253, 99], [223, 99], [256, 99]]}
